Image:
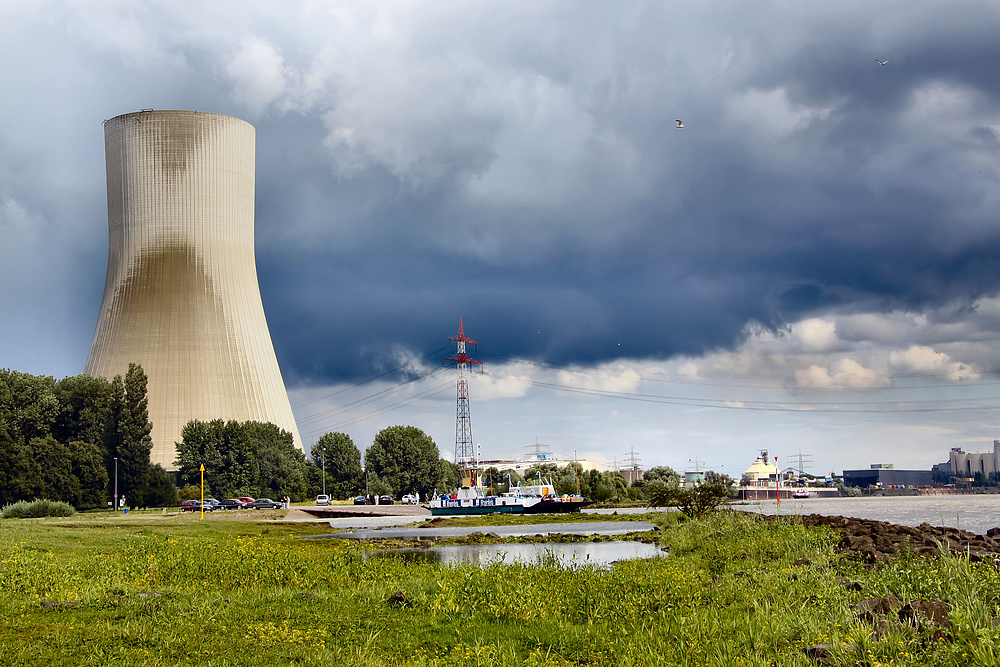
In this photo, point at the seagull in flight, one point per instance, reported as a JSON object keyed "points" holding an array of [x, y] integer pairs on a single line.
{"points": [[679, 124], [882, 63]]}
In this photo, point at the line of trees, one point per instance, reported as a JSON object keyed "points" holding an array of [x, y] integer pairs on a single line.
{"points": [[254, 459], [59, 440], [63, 440], [401, 460]]}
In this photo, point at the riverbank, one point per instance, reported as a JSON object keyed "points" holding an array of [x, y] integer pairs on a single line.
{"points": [[733, 590]]}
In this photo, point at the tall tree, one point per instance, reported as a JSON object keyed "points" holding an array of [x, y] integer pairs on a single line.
{"points": [[665, 474], [87, 463], [112, 432], [337, 455], [407, 459], [162, 490], [205, 444], [20, 475], [58, 481], [84, 409], [135, 443], [281, 464], [28, 405], [248, 458]]}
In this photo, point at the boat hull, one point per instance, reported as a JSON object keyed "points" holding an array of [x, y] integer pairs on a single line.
{"points": [[540, 507]]}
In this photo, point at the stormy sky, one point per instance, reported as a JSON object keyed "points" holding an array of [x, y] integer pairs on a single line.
{"points": [[811, 264]]}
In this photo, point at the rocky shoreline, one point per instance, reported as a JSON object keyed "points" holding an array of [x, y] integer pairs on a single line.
{"points": [[876, 541]]}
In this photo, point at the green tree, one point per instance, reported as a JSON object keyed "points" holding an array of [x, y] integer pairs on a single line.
{"points": [[87, 463], [162, 490], [407, 459], [608, 485], [662, 473], [134, 442], [84, 409], [28, 405], [112, 431], [248, 458], [281, 465], [337, 455], [447, 476], [231, 467], [20, 475], [58, 482], [694, 501], [712, 477]]}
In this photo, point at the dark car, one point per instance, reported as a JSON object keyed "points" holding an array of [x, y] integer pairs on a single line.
{"points": [[213, 502], [232, 504], [196, 506], [385, 500], [361, 500], [264, 504]]}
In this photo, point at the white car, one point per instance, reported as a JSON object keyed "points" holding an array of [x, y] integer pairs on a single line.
{"points": [[410, 499], [322, 499]]}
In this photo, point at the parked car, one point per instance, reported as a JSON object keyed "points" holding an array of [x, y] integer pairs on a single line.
{"points": [[322, 499], [361, 500], [232, 504], [196, 506], [246, 500], [213, 502], [264, 504], [410, 499], [385, 500]]}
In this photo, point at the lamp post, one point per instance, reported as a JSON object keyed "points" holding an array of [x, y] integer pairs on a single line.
{"points": [[322, 458], [115, 508], [202, 469]]}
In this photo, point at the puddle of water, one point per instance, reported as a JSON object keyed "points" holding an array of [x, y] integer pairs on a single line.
{"points": [[597, 554], [412, 533]]}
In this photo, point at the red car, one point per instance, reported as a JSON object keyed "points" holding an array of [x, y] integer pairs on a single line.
{"points": [[245, 501], [196, 506]]}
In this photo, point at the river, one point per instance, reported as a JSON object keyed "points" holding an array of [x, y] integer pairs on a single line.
{"points": [[975, 513]]}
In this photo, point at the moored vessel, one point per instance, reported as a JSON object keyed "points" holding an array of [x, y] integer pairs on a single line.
{"points": [[471, 498]]}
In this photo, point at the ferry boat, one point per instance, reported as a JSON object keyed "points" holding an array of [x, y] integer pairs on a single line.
{"points": [[471, 498]]}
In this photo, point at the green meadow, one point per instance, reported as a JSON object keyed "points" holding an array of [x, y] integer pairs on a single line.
{"points": [[178, 590]]}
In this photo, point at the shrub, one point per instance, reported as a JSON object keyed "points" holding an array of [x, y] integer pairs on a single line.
{"points": [[694, 502], [23, 509]]}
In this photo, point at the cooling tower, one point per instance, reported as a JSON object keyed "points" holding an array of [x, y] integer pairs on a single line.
{"points": [[181, 296]]}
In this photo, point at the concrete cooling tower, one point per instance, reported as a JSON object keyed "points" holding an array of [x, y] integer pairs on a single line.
{"points": [[181, 296]]}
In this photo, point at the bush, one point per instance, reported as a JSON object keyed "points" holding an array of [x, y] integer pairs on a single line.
{"points": [[22, 509], [694, 502]]}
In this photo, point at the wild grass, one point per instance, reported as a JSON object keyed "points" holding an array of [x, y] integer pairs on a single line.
{"points": [[34, 509], [176, 590]]}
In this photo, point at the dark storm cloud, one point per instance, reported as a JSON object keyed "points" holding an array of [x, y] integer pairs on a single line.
{"points": [[847, 200], [517, 166]]}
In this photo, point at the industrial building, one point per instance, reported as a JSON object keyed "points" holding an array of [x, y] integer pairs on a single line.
{"points": [[885, 477], [181, 296], [969, 465]]}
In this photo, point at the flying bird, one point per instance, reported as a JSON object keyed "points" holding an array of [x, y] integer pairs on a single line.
{"points": [[882, 63], [679, 123]]}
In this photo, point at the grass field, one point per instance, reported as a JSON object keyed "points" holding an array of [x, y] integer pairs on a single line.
{"points": [[176, 590]]}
